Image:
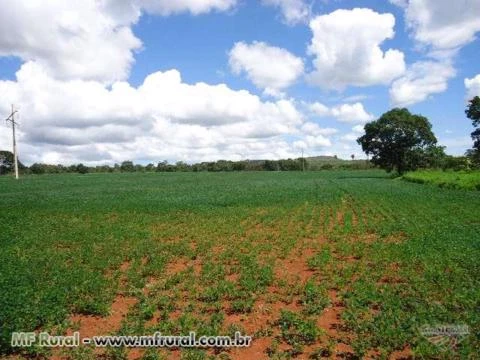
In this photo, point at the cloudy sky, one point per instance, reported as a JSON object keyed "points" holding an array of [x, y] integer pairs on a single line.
{"points": [[101, 81]]}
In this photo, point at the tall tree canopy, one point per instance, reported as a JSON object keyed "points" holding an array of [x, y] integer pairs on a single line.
{"points": [[6, 162], [473, 113], [399, 140]]}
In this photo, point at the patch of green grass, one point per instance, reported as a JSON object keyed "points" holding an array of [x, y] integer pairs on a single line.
{"points": [[254, 276], [242, 305], [468, 180], [314, 298], [296, 330], [320, 260]]}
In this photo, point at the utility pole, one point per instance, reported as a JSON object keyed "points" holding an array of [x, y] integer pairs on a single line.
{"points": [[11, 119]]}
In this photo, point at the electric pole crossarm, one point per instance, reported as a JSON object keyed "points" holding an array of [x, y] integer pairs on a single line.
{"points": [[11, 115]]}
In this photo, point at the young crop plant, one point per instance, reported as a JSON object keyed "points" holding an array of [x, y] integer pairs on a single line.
{"points": [[254, 277], [296, 330], [242, 305], [314, 298], [320, 260]]}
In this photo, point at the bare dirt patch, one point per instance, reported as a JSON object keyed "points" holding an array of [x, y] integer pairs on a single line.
{"points": [[135, 354], [330, 319], [294, 268], [176, 267], [368, 238], [263, 315], [396, 238], [331, 322], [89, 326], [354, 217], [257, 350], [405, 354], [154, 320], [340, 217]]}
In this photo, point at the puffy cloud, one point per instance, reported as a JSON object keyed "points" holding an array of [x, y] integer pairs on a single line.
{"points": [[293, 11], [352, 136], [163, 118], [473, 87], [311, 128], [442, 28], [358, 129], [441, 24], [346, 46], [352, 113], [355, 98], [270, 68], [88, 40], [313, 143], [348, 113], [128, 11], [401, 3], [68, 39], [320, 109], [421, 80], [195, 7], [314, 137], [76, 108]]}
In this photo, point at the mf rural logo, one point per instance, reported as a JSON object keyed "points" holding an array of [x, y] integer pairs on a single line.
{"points": [[445, 336]]}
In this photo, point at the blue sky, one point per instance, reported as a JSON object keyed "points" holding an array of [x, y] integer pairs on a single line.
{"points": [[195, 80]]}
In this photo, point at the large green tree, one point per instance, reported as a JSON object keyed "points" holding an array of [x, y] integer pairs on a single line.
{"points": [[473, 113], [6, 162], [127, 166], [399, 140]]}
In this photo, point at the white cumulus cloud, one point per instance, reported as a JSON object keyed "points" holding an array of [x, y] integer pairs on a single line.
{"points": [[270, 68], [163, 118], [195, 7], [358, 129], [347, 113], [88, 40], [473, 87], [311, 128], [421, 80], [442, 28], [293, 11], [346, 46], [443, 24], [68, 39]]}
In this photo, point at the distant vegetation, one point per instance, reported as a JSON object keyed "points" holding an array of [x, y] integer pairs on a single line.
{"points": [[6, 163], [317, 163], [307, 164], [473, 113], [448, 179], [463, 175]]}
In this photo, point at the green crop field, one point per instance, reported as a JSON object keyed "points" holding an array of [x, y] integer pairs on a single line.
{"points": [[312, 265]]}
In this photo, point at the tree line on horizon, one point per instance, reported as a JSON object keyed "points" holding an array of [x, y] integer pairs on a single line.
{"points": [[298, 164], [397, 142]]}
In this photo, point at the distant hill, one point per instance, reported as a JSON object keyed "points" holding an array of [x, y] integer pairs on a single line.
{"points": [[324, 159], [332, 162]]}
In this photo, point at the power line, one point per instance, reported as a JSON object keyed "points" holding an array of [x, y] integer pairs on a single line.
{"points": [[11, 119]]}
